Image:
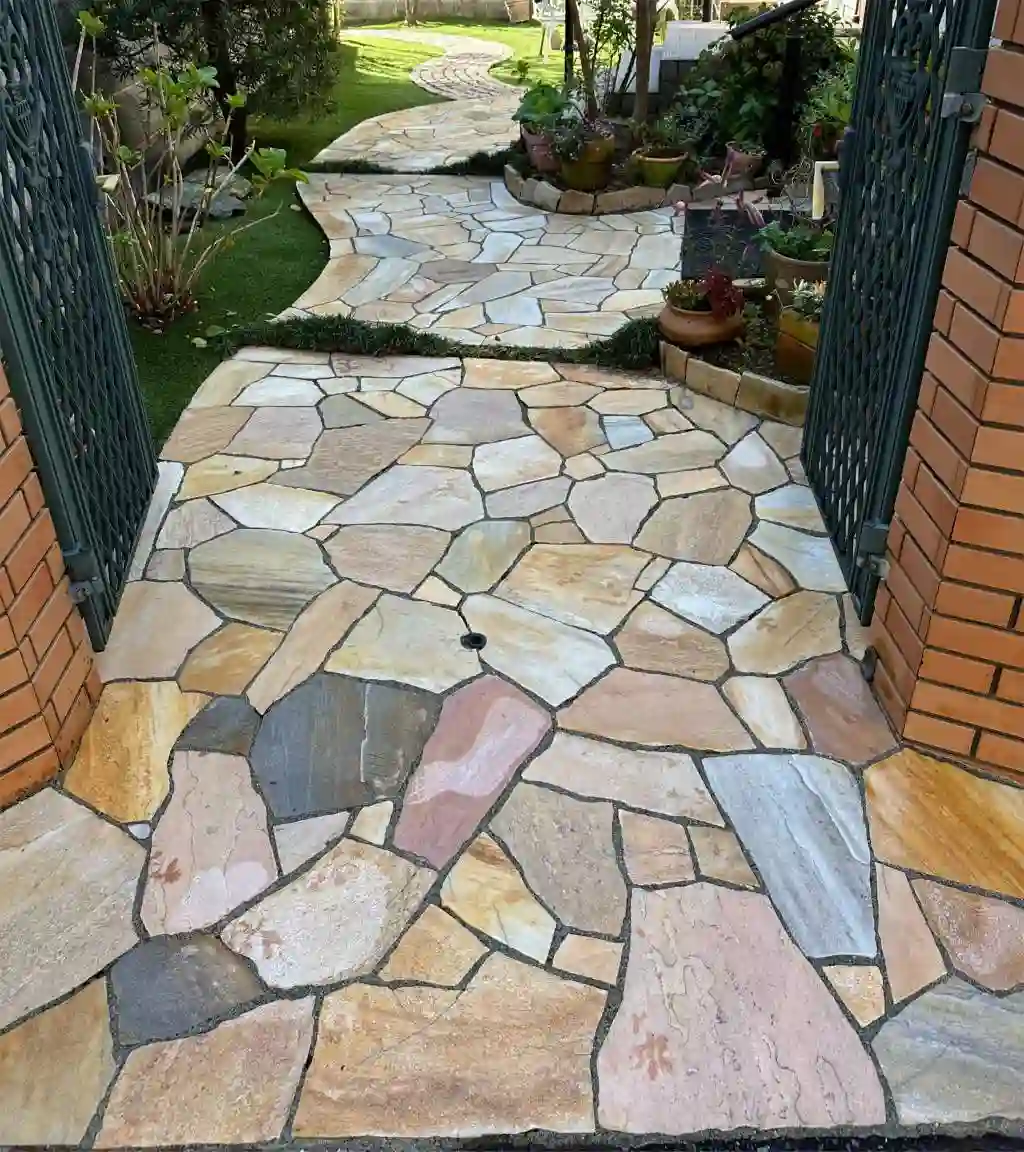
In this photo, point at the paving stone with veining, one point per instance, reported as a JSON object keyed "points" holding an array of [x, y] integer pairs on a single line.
{"points": [[371, 824], [955, 1056], [344, 459], [233, 1085], [415, 494], [172, 985], [664, 782], [611, 509], [625, 431], [935, 818], [166, 565], [485, 733], [810, 559], [724, 1025], [334, 921], [259, 575], [443, 455], [409, 641], [526, 499], [210, 849], [226, 662], [565, 850], [191, 523], [429, 1061], [653, 640], [912, 958], [435, 949], [226, 381], [319, 627], [720, 857], [202, 432], [675, 453], [656, 851], [335, 743], [506, 374], [141, 645], [520, 644], [508, 463], [121, 765], [841, 713], [55, 1070], [711, 596], [587, 586], [485, 890], [227, 724], [277, 433], [280, 391], [468, 417], [655, 710], [301, 840], [483, 553], [752, 466], [784, 438], [585, 956], [763, 572], [801, 820], [69, 881], [346, 412], [706, 528], [386, 555], [274, 506], [983, 937], [569, 430], [860, 988], [786, 633], [794, 505], [629, 401], [761, 704]]}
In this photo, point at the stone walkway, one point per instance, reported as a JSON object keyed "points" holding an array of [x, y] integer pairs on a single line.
{"points": [[479, 119], [483, 750], [461, 257]]}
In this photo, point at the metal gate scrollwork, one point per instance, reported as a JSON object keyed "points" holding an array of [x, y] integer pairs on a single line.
{"points": [[918, 81], [62, 329]]}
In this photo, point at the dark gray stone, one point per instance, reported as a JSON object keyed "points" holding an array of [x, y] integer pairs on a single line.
{"points": [[170, 986], [344, 412], [228, 724], [456, 271], [336, 743]]}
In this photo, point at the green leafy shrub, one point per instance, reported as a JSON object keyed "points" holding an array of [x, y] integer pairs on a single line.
{"points": [[802, 241]]}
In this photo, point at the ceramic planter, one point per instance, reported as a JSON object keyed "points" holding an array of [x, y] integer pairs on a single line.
{"points": [[590, 172], [697, 329], [658, 167], [539, 152], [740, 163], [782, 273], [796, 346]]}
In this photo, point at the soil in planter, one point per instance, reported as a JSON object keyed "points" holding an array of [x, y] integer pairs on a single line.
{"points": [[755, 352]]}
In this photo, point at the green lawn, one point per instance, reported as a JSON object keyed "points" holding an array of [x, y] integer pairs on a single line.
{"points": [[271, 265]]}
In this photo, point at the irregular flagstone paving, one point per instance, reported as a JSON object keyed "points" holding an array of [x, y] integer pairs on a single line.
{"points": [[471, 764]]}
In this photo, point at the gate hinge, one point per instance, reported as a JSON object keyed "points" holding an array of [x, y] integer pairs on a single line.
{"points": [[963, 98], [84, 572], [871, 548]]}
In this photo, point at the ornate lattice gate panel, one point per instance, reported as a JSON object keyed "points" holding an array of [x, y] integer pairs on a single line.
{"points": [[919, 74], [62, 329]]}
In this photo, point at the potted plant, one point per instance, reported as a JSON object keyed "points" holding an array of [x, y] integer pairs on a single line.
{"points": [[799, 324], [585, 149], [827, 113], [538, 112], [700, 312], [662, 153], [800, 252], [744, 157]]}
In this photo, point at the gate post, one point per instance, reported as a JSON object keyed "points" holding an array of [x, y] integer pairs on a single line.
{"points": [[948, 629], [48, 685]]}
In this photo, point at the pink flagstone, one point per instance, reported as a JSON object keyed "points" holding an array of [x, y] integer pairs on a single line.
{"points": [[487, 729]]}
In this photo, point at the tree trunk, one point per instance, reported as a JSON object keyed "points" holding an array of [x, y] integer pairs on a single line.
{"points": [[218, 44], [644, 44], [581, 51], [412, 11]]}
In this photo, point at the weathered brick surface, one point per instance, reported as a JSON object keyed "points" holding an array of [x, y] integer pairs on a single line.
{"points": [[48, 686], [949, 623]]}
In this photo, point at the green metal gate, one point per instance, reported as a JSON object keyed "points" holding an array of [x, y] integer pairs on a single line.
{"points": [[903, 163], [62, 329]]}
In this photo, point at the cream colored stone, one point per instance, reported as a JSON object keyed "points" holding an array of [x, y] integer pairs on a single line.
{"points": [[611, 509], [656, 851], [652, 574], [629, 402], [508, 463], [436, 591], [435, 949], [680, 452], [720, 857], [224, 474], [859, 986], [560, 395], [506, 374], [763, 572], [394, 557], [653, 640], [301, 840], [226, 381], [912, 958], [440, 455], [371, 824], [393, 405], [586, 956], [276, 506], [225, 663], [142, 645], [688, 483], [121, 766], [706, 528], [583, 466], [761, 704], [786, 633], [191, 523]]}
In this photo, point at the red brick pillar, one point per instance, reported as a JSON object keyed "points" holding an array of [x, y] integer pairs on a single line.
{"points": [[48, 686], [949, 626]]}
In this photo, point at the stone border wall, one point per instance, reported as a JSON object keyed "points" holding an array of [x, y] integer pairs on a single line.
{"points": [[541, 194], [48, 684], [949, 626]]}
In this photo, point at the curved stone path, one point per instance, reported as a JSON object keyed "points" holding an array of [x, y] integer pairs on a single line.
{"points": [[478, 119], [325, 868]]}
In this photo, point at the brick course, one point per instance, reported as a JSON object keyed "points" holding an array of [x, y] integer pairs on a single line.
{"points": [[48, 685], [949, 621]]}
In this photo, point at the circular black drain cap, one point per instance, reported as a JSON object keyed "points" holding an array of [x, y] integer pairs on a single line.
{"points": [[474, 641]]}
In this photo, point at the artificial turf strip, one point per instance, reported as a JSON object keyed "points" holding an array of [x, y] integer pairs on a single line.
{"points": [[634, 346]]}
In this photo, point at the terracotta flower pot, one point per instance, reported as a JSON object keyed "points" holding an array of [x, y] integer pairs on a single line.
{"points": [[782, 273], [539, 152], [658, 171], [740, 163], [697, 329]]}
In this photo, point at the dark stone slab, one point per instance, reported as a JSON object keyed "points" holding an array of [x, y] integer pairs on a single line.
{"points": [[344, 412], [171, 985], [228, 724], [336, 743], [456, 271]]}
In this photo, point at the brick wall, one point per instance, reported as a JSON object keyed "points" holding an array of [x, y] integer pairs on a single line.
{"points": [[949, 626], [48, 686]]}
